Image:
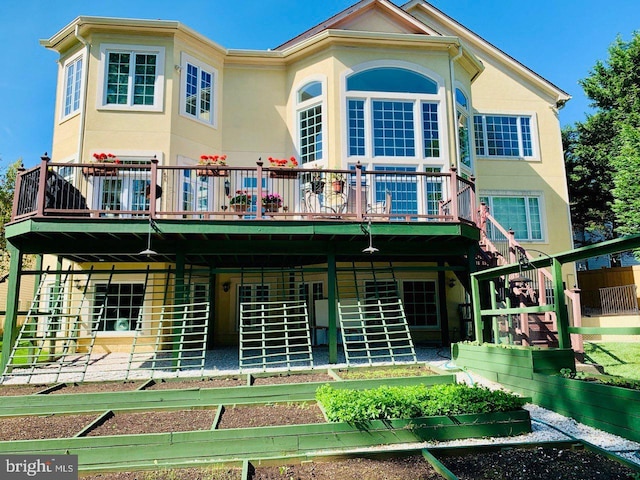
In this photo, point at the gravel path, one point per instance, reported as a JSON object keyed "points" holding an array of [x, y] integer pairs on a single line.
{"points": [[547, 425]]}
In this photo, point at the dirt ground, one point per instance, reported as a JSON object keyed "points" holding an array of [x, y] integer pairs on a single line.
{"points": [[538, 464], [251, 416], [210, 473], [294, 378], [156, 422], [408, 468], [96, 387], [45, 426], [197, 383]]}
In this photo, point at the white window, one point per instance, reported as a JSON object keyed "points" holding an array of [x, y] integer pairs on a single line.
{"points": [[504, 136], [198, 90], [133, 77], [392, 112], [309, 110], [72, 86], [520, 213]]}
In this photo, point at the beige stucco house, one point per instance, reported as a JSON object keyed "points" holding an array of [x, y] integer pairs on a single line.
{"points": [[415, 119]]}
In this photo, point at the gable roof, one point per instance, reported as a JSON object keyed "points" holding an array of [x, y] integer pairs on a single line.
{"points": [[453, 27], [348, 18]]}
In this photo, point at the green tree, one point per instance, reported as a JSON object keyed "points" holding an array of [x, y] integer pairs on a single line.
{"points": [[7, 188], [627, 185], [599, 150]]}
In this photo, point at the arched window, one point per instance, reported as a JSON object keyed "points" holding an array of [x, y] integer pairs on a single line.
{"points": [[309, 112], [392, 112], [391, 79]]}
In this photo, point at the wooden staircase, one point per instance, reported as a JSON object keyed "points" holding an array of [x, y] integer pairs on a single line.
{"points": [[498, 247]]}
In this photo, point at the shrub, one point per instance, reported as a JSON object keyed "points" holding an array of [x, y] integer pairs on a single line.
{"points": [[359, 406]]}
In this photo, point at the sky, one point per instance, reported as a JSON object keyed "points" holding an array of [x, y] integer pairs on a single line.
{"points": [[560, 40]]}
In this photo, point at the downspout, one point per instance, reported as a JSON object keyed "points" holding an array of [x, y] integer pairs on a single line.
{"points": [[453, 106], [85, 74]]}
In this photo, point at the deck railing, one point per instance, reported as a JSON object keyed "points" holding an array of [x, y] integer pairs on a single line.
{"points": [[128, 190]]}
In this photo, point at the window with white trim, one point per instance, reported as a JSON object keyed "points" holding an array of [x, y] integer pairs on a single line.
{"points": [[310, 108], [392, 112], [503, 135], [520, 213], [133, 77], [198, 90], [72, 86]]}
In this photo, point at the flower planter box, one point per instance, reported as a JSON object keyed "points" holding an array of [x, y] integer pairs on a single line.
{"points": [[240, 207], [271, 208], [212, 172], [100, 171], [283, 173]]}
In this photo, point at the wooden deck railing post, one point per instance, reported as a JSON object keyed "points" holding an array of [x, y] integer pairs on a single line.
{"points": [[17, 192], [259, 173], [511, 238], [577, 340], [453, 188], [153, 187], [42, 185], [472, 201], [359, 192]]}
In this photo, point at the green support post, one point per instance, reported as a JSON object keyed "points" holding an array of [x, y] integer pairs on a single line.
{"points": [[562, 315], [476, 308], [331, 286], [180, 299], [13, 294]]}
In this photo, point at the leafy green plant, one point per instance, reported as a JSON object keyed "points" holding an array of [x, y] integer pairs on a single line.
{"points": [[361, 406]]}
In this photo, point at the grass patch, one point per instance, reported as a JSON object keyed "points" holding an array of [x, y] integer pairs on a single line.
{"points": [[619, 359], [385, 403], [22, 354]]}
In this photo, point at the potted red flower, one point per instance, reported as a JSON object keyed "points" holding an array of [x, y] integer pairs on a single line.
{"points": [[104, 165], [211, 166]]}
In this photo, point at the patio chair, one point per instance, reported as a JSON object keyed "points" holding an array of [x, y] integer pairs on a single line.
{"points": [[381, 208], [314, 205]]}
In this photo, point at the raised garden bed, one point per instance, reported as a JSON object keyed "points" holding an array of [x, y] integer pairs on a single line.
{"points": [[17, 390], [540, 462], [211, 382], [251, 416], [413, 467], [41, 427], [154, 422], [363, 373], [292, 378], [93, 387], [536, 374], [205, 473]]}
